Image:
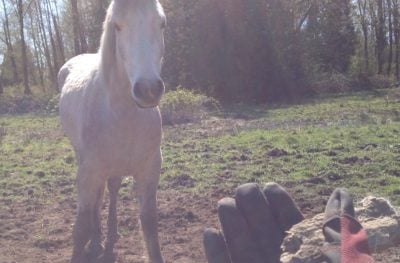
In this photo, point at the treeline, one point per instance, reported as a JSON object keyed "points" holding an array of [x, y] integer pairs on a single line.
{"points": [[235, 50], [38, 36]]}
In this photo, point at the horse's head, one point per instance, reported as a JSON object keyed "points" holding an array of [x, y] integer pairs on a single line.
{"points": [[139, 26]]}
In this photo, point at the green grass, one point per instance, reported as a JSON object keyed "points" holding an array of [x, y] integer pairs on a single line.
{"points": [[35, 158], [347, 140], [364, 158]]}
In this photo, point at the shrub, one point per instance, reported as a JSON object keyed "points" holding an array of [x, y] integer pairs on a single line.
{"points": [[17, 105], [52, 104], [182, 106], [13, 101], [371, 82], [331, 83]]}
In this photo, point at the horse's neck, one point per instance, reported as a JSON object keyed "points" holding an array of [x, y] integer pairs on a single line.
{"points": [[112, 73], [108, 62]]}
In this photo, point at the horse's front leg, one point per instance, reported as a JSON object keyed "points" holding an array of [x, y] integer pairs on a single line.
{"points": [[89, 188], [113, 186], [95, 248], [147, 183]]}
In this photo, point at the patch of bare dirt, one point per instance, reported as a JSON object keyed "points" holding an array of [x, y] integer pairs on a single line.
{"points": [[277, 153], [42, 233]]}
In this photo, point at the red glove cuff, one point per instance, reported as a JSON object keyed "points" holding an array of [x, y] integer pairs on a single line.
{"points": [[354, 245]]}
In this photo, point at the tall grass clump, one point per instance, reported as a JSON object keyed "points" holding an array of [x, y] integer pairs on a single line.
{"points": [[183, 106]]}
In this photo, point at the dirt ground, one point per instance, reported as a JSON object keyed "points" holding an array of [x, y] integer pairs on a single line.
{"points": [[40, 233]]}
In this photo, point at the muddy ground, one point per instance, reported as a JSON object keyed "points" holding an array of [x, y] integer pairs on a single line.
{"points": [[38, 233]]}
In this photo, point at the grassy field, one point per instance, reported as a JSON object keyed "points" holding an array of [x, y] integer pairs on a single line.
{"points": [[349, 140], [345, 140]]}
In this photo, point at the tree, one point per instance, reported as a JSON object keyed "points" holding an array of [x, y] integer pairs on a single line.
{"points": [[44, 41], [1, 85], [380, 36], [362, 13], [80, 44], [390, 28], [6, 68], [8, 41], [27, 90], [36, 45], [335, 35], [396, 25], [95, 15]]}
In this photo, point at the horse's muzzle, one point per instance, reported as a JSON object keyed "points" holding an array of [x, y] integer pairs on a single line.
{"points": [[148, 93]]}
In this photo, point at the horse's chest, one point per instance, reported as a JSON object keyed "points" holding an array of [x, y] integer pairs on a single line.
{"points": [[121, 149]]}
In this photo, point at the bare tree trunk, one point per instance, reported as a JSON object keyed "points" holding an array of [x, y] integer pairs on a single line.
{"points": [[60, 42], [380, 36], [82, 38], [362, 7], [45, 45], [99, 15], [390, 25], [9, 44], [75, 26], [38, 61], [396, 24], [80, 43], [1, 85], [37, 54], [27, 89], [52, 42], [59, 36]]}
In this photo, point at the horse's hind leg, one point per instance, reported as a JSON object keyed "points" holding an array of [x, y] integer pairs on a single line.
{"points": [[89, 187], [113, 185]]}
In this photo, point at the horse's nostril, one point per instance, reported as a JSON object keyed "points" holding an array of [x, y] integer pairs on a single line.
{"points": [[138, 90]]}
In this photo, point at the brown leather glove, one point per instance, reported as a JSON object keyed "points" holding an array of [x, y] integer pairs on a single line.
{"points": [[345, 239], [253, 225]]}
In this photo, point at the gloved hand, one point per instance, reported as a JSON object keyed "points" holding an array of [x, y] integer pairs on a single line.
{"points": [[253, 225], [345, 239]]}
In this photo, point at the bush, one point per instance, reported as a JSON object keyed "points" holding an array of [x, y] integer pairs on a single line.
{"points": [[18, 105], [338, 83], [368, 82], [331, 83], [52, 104], [14, 101], [182, 106]]}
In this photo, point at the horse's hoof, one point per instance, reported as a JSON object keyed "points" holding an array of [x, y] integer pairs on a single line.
{"points": [[94, 250], [109, 257], [80, 259]]}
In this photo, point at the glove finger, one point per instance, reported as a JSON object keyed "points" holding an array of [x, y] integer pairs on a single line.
{"points": [[340, 202], [346, 241], [215, 247], [285, 210], [263, 227], [241, 246]]}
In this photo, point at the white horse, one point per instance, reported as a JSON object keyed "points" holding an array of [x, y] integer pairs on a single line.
{"points": [[109, 111]]}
